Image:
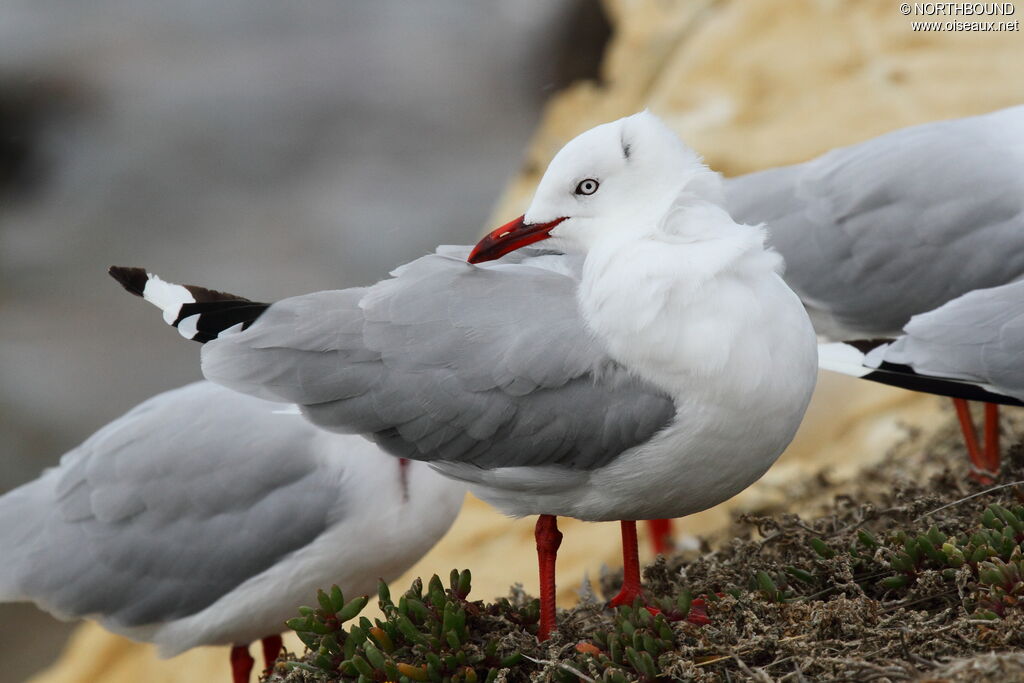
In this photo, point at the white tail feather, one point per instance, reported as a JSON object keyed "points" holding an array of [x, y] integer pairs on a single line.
{"points": [[842, 358]]}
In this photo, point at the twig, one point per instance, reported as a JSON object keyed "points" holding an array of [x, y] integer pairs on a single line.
{"points": [[835, 587], [881, 671], [713, 661], [815, 532], [562, 665], [721, 658], [777, 662], [973, 495], [893, 606], [764, 541], [759, 675]]}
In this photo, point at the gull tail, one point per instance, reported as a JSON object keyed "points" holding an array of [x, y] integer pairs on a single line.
{"points": [[198, 313], [864, 359]]}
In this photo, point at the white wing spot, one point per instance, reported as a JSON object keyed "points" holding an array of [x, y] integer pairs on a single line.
{"points": [[188, 326], [166, 296]]}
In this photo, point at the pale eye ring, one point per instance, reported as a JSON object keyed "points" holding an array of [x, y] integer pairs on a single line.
{"points": [[588, 186]]}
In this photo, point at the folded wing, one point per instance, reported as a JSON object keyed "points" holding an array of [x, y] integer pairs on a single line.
{"points": [[492, 366], [167, 509]]}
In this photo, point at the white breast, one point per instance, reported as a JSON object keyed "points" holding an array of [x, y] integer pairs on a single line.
{"points": [[713, 325]]}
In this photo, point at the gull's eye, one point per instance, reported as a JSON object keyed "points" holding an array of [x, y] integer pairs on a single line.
{"points": [[588, 186]]}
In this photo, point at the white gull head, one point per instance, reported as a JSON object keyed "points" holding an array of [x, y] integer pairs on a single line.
{"points": [[614, 182], [618, 180]]}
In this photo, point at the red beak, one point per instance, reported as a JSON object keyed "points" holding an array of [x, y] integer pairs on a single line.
{"points": [[509, 237]]}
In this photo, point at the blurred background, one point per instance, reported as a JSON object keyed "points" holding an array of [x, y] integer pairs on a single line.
{"points": [[277, 148], [271, 148]]}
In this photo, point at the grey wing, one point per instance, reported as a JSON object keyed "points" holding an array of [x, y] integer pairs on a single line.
{"points": [[898, 225], [977, 337], [492, 366], [168, 508]]}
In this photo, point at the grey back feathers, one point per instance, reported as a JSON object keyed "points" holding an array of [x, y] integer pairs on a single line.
{"points": [[159, 514], [491, 366], [977, 338], [875, 233], [917, 236]]}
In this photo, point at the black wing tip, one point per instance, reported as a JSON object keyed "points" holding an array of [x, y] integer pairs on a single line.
{"points": [[132, 279], [905, 377]]}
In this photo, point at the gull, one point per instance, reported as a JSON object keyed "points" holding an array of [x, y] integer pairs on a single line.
{"points": [[645, 361], [204, 517], [968, 348], [897, 226]]}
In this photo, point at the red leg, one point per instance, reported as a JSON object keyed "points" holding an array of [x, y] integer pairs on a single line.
{"points": [[992, 454], [630, 567], [241, 664], [978, 463], [272, 646], [661, 535], [548, 539]]}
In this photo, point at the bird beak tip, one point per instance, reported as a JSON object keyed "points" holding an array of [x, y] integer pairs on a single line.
{"points": [[513, 235]]}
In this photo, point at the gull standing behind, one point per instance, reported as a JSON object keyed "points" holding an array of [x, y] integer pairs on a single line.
{"points": [[205, 517], [897, 226]]}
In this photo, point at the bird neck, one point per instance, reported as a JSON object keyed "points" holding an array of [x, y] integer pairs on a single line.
{"points": [[670, 307]]}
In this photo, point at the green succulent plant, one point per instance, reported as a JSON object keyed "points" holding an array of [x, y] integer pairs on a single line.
{"points": [[434, 632], [640, 635], [427, 636]]}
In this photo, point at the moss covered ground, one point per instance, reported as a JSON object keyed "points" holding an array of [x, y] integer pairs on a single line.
{"points": [[908, 572]]}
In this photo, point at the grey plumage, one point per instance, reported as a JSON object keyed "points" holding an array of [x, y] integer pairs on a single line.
{"points": [[977, 337], [155, 516], [877, 232], [426, 363]]}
